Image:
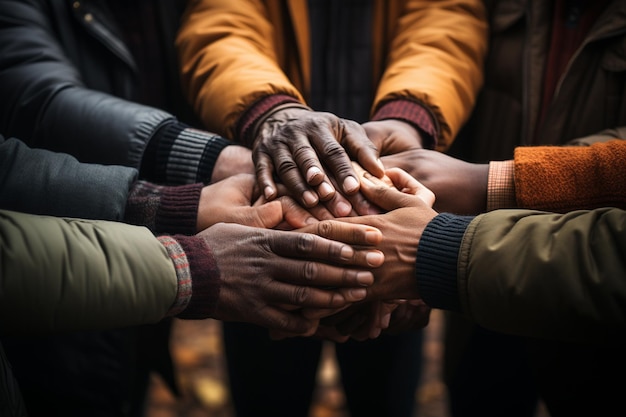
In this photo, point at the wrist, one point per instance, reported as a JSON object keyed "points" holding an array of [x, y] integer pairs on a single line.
{"points": [[249, 122], [413, 113], [231, 161]]}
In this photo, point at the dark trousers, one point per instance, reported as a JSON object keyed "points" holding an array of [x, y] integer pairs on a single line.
{"points": [[277, 378]]}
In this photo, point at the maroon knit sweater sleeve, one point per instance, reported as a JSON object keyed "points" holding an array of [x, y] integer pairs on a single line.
{"points": [[413, 113], [197, 274], [164, 209]]}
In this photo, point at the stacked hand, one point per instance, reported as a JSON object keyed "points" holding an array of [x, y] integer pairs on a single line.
{"points": [[392, 300], [310, 153]]}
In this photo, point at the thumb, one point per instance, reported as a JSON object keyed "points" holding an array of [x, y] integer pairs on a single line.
{"points": [[268, 215], [388, 198]]}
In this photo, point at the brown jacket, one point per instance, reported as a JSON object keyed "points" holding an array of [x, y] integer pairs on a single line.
{"points": [[234, 53], [590, 96]]}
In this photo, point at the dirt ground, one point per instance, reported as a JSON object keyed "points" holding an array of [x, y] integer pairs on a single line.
{"points": [[199, 360]]}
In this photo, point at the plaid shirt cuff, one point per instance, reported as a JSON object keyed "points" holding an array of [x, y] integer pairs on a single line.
{"points": [[501, 185]]}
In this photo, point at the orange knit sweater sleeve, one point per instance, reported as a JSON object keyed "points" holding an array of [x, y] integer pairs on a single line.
{"points": [[563, 179]]}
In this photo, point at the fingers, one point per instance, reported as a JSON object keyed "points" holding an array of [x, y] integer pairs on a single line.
{"points": [[353, 234], [294, 214], [264, 169], [285, 323], [388, 198], [406, 183], [360, 147], [267, 216]]}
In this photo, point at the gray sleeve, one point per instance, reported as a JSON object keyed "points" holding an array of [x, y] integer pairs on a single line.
{"points": [[42, 182]]}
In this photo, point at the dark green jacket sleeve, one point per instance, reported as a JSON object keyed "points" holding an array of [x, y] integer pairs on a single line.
{"points": [[557, 276], [65, 274]]}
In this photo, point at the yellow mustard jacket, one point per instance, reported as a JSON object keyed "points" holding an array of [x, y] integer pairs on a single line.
{"points": [[233, 53]]}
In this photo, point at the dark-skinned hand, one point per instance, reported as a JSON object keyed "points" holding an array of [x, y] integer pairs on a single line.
{"points": [[265, 272], [392, 136], [305, 149], [460, 187]]}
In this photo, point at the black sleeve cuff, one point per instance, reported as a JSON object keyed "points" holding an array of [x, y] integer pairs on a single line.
{"points": [[437, 257]]}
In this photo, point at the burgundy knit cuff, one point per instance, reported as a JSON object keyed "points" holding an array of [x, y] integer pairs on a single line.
{"points": [[178, 211], [205, 278], [415, 114], [164, 209], [249, 119]]}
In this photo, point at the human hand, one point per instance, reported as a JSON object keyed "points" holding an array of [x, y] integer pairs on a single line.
{"points": [[232, 160], [460, 187], [408, 211], [266, 273], [410, 315], [392, 136], [306, 149], [234, 205]]}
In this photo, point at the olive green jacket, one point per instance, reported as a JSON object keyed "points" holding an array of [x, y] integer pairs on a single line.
{"points": [[61, 274], [538, 274]]}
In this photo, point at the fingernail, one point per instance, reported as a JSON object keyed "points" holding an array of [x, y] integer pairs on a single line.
{"points": [[269, 192], [347, 252], [343, 209], [374, 258], [350, 184], [365, 278], [372, 236], [312, 173], [358, 294], [325, 190], [309, 198], [380, 164]]}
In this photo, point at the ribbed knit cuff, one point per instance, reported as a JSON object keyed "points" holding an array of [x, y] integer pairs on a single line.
{"points": [[437, 258], [250, 118], [183, 274], [413, 113], [179, 154], [198, 277], [164, 209]]}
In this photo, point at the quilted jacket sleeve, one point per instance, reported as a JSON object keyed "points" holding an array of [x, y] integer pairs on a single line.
{"points": [[61, 274]]}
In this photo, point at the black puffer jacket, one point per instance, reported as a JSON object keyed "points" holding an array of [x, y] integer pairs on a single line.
{"points": [[56, 53], [67, 84]]}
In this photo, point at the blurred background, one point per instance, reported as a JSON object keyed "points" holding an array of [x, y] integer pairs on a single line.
{"points": [[200, 367]]}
